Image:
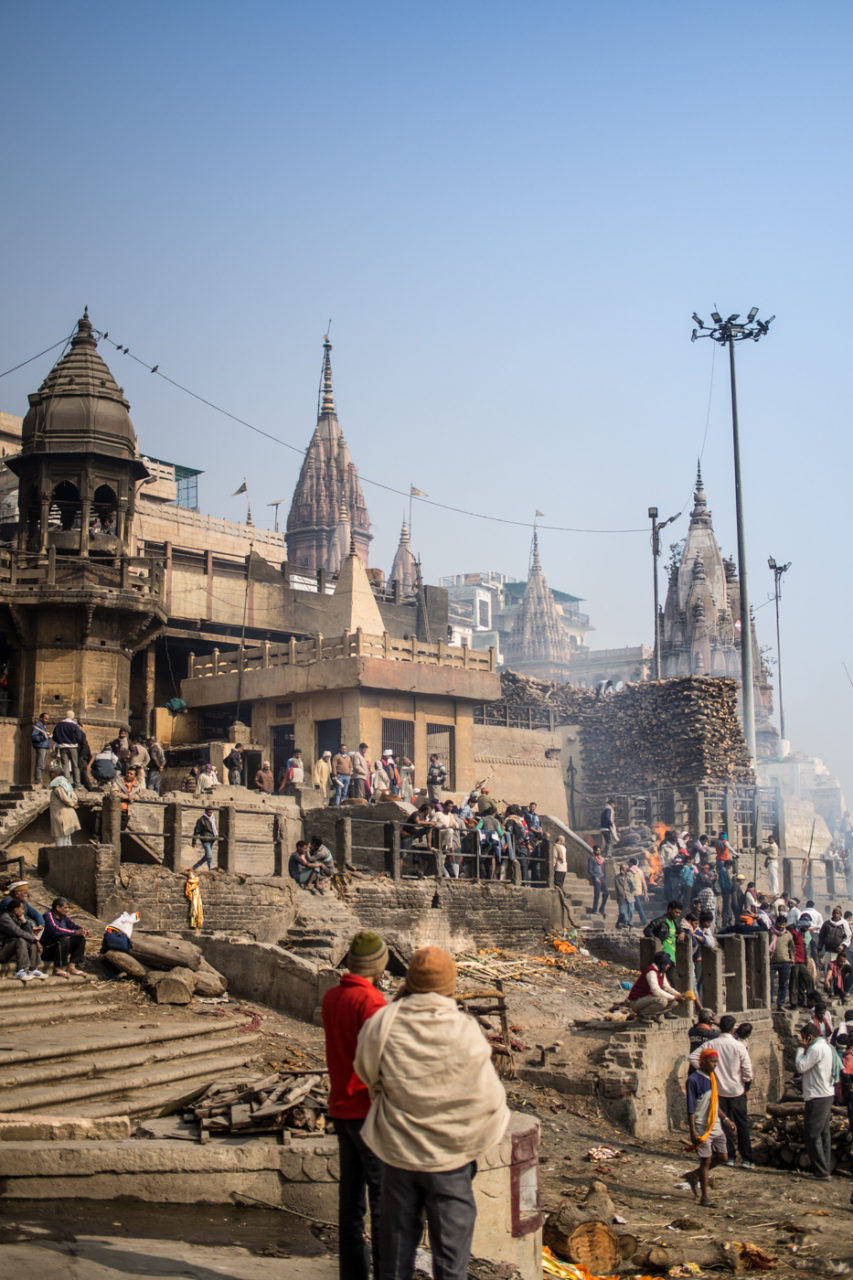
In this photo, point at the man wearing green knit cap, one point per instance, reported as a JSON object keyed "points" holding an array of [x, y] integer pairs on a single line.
{"points": [[346, 1008]]}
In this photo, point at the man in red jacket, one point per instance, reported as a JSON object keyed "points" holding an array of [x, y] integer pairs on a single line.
{"points": [[346, 1008]]}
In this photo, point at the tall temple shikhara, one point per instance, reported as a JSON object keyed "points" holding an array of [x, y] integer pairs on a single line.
{"points": [[538, 644], [328, 483], [404, 570], [700, 626]]}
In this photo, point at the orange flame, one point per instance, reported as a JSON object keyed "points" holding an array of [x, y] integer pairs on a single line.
{"points": [[655, 875]]}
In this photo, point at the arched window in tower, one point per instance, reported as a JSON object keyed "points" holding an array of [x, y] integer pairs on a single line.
{"points": [[32, 515], [65, 509], [104, 512]]}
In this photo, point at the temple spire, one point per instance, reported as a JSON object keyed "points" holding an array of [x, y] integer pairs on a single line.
{"points": [[327, 399], [404, 568], [538, 644]]}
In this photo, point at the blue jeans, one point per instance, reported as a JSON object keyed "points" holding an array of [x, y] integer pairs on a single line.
{"points": [[638, 907], [600, 894], [342, 786], [155, 777], [207, 856]]}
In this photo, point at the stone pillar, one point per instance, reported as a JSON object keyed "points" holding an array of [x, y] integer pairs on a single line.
{"points": [[111, 821], [392, 850], [713, 982], [227, 823], [343, 843], [684, 978], [787, 875], [277, 845], [734, 959], [758, 970], [148, 709], [173, 836]]}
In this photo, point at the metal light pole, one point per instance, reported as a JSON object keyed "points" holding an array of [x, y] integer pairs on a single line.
{"points": [[727, 333], [778, 570], [656, 528]]}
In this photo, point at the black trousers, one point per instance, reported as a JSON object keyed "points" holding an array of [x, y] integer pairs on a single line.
{"points": [[361, 1181], [447, 1200], [780, 973], [816, 1118], [735, 1109], [71, 949], [800, 983]]}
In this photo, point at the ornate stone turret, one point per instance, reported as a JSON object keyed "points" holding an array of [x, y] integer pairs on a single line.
{"points": [[404, 570], [75, 606], [79, 462], [538, 644], [327, 479], [699, 634]]}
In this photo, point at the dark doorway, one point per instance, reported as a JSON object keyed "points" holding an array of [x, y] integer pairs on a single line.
{"points": [[399, 736], [441, 739], [328, 733], [283, 746]]}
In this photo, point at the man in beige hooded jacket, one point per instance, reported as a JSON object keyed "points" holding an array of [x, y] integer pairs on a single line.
{"points": [[436, 1106]]}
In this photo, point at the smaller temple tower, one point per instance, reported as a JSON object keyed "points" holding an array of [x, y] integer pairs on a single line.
{"points": [[328, 479], [538, 644], [404, 570]]}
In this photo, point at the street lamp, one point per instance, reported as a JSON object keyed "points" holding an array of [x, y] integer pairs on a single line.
{"points": [[778, 570], [728, 332], [656, 528]]}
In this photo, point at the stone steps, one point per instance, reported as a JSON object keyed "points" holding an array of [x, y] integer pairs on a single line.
{"points": [[100, 1062], [48, 1013], [135, 1091], [108, 1037]]}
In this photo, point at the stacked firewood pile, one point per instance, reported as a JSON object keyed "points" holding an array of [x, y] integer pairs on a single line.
{"points": [[283, 1100], [172, 970], [778, 1140], [685, 731]]}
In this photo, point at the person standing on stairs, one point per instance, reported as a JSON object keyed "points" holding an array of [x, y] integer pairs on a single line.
{"points": [[345, 1010], [205, 831]]}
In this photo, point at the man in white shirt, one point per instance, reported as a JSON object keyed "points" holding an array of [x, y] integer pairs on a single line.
{"points": [[734, 1077], [814, 1062]]}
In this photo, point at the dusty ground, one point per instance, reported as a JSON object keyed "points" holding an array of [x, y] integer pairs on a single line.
{"points": [[807, 1226]]}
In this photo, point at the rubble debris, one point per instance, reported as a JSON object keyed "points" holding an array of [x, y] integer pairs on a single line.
{"points": [[263, 1105], [779, 1139]]}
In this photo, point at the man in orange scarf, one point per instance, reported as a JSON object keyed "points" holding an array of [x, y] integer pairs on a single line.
{"points": [[706, 1122]]}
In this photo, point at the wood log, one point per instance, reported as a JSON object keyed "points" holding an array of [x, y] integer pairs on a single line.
{"points": [[209, 981], [124, 962], [594, 1244], [173, 986], [166, 953]]}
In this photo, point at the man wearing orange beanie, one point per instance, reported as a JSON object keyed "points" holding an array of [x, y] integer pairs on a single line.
{"points": [[346, 1008], [436, 1106]]}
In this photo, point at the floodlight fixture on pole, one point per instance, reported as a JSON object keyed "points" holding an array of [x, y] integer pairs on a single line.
{"points": [[778, 570], [727, 333], [656, 528]]}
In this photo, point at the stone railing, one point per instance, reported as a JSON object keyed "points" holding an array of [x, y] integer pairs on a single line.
{"points": [[123, 573], [352, 644]]}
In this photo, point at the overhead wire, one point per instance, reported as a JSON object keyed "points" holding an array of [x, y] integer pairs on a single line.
{"points": [[63, 342], [377, 484]]}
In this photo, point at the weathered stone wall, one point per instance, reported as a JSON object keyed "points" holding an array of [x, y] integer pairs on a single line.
{"points": [[643, 1071], [91, 875], [458, 917], [521, 765]]}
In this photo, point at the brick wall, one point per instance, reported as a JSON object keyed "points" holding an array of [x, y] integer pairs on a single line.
{"points": [[89, 874]]}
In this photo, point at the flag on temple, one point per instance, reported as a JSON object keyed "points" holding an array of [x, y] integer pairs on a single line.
{"points": [[244, 488], [417, 493]]}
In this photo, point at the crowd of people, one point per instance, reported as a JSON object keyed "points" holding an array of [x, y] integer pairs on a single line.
{"points": [[474, 840], [31, 938]]}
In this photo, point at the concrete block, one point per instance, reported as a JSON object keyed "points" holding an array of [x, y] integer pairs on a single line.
{"points": [[22, 1128], [316, 1168]]}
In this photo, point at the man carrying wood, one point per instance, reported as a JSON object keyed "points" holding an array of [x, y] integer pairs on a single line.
{"points": [[706, 1124], [437, 1106], [345, 1009]]}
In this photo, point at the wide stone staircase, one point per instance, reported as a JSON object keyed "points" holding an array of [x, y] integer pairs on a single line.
{"points": [[19, 806], [322, 929], [87, 1048]]}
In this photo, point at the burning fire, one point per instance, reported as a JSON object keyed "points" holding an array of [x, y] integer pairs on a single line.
{"points": [[655, 875]]}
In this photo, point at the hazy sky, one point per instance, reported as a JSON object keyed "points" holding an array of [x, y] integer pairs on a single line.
{"points": [[509, 212]]}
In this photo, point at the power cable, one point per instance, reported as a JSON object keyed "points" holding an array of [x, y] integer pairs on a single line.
{"points": [[63, 342], [377, 484]]}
